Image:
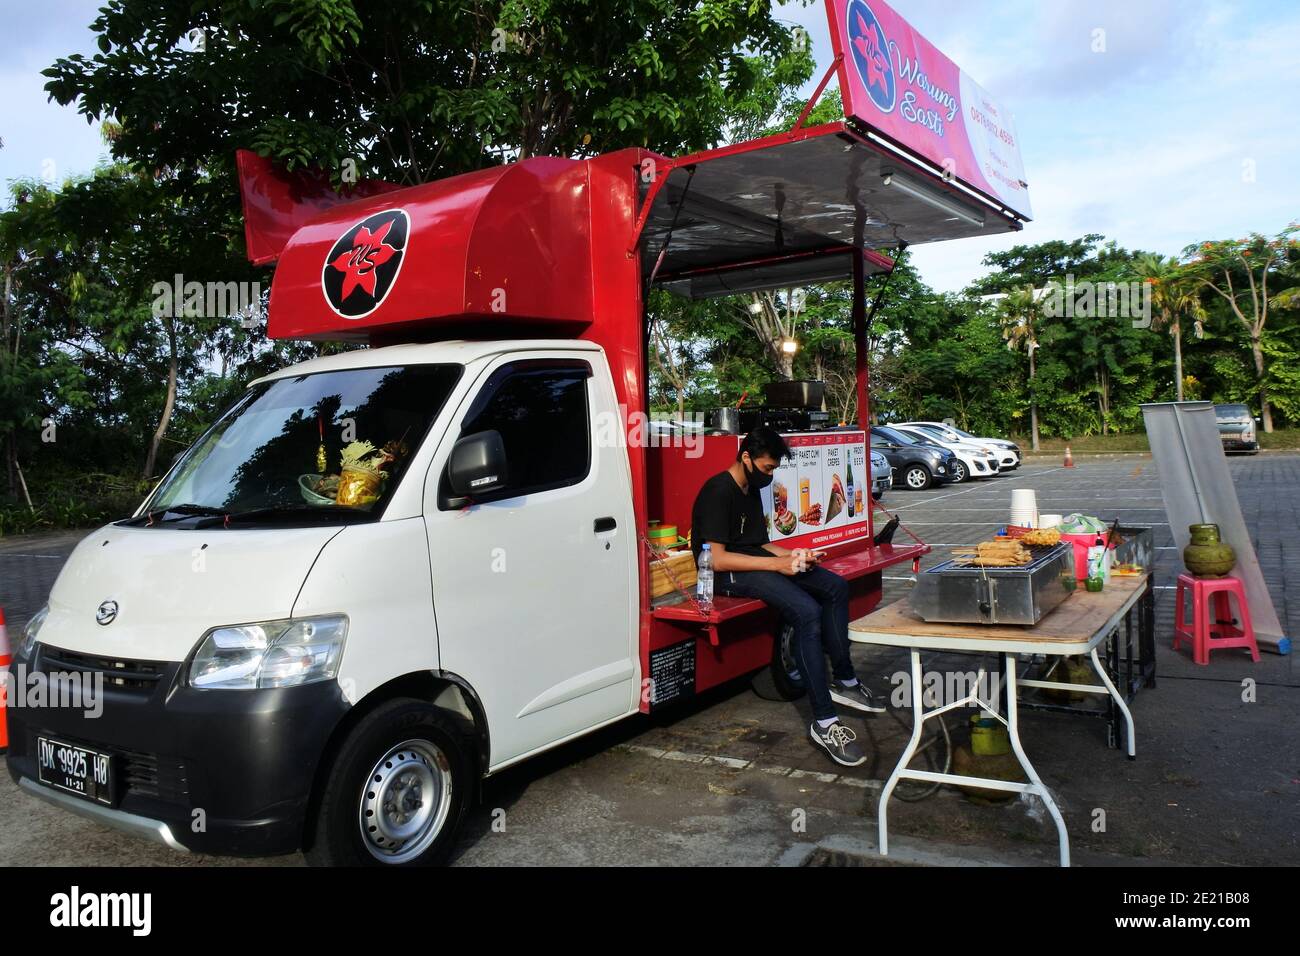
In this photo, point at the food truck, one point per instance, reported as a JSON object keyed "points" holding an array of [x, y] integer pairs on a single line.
{"points": [[387, 573]]}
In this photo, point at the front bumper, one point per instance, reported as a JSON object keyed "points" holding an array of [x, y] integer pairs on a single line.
{"points": [[224, 772], [1238, 443]]}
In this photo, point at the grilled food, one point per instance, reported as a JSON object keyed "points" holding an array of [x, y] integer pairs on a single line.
{"points": [[1042, 536]]}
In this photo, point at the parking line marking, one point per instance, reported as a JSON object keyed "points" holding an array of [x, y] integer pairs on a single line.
{"points": [[684, 757], [813, 775], [735, 763]]}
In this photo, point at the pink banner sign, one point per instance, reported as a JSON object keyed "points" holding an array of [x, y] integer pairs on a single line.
{"points": [[894, 81]]}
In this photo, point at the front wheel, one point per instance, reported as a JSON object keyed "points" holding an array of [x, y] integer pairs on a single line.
{"points": [[396, 791], [917, 477], [781, 679], [959, 472]]}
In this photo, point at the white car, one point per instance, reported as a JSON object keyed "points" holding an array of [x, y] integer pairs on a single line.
{"points": [[973, 461], [882, 475], [1007, 452]]}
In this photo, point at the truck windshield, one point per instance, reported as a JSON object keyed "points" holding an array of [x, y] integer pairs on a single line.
{"points": [[327, 445], [1231, 412]]}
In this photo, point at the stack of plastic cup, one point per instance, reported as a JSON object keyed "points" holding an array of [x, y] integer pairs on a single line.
{"points": [[1024, 508]]}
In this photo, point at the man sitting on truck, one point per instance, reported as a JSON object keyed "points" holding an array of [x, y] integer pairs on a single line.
{"points": [[728, 515]]}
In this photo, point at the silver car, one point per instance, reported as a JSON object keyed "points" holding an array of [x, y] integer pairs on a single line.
{"points": [[882, 475], [1236, 428]]}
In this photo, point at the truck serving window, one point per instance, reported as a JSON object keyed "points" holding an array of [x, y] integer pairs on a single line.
{"points": [[321, 447], [540, 409]]}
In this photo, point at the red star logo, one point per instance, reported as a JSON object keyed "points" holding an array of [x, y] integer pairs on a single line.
{"points": [[868, 44], [369, 251]]}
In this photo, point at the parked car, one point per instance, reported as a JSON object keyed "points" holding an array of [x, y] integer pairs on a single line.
{"points": [[972, 461], [1236, 428], [1008, 452], [882, 474], [915, 465]]}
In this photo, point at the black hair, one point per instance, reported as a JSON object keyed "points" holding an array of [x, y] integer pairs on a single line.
{"points": [[763, 440]]}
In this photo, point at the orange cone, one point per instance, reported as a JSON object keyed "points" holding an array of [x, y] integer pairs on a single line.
{"points": [[4, 671], [1069, 459]]}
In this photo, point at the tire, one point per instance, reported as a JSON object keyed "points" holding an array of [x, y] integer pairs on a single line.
{"points": [[775, 682], [425, 767], [917, 477], [959, 471], [877, 495]]}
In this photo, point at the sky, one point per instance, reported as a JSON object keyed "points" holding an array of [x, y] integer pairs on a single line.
{"points": [[1181, 130]]}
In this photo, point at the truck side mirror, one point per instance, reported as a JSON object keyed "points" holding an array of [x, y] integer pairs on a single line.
{"points": [[477, 466]]}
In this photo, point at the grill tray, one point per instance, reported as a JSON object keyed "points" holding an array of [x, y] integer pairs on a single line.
{"points": [[1038, 553], [960, 592]]}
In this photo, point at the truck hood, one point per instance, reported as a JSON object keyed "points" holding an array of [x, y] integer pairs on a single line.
{"points": [[172, 585]]}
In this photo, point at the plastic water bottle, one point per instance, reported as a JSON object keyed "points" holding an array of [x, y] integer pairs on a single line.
{"points": [[1096, 566], [704, 580]]}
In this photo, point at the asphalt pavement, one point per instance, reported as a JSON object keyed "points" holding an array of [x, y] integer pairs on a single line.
{"points": [[731, 778]]}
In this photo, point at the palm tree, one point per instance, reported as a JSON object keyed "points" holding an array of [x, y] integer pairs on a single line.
{"points": [[1175, 295], [1018, 315]]}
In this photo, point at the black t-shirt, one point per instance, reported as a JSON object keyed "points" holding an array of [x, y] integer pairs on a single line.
{"points": [[725, 514]]}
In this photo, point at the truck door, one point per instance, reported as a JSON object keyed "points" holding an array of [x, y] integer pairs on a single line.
{"points": [[535, 589]]}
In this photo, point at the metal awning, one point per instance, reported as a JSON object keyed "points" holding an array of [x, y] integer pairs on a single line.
{"points": [[788, 210]]}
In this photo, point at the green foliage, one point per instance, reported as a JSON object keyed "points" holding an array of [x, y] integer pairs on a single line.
{"points": [[418, 90]]}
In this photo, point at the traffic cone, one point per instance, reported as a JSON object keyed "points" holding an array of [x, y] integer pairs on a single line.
{"points": [[4, 683], [1069, 459]]}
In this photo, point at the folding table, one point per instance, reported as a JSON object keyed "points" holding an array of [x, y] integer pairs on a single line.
{"points": [[1078, 626]]}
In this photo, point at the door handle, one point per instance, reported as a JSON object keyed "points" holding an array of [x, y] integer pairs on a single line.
{"points": [[605, 524]]}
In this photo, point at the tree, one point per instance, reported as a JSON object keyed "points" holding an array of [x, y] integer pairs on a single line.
{"points": [[774, 318], [1175, 295], [1040, 263], [1238, 271], [414, 91], [1019, 315]]}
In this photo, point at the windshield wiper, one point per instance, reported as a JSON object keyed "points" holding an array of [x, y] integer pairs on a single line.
{"points": [[182, 511], [280, 512]]}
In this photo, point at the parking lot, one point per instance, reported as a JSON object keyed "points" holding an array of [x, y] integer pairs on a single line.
{"points": [[732, 778]]}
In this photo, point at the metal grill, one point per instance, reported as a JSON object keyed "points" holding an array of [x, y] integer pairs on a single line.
{"points": [[131, 675], [149, 775], [1038, 554]]}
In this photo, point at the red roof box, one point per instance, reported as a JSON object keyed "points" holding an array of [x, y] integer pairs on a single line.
{"points": [[500, 247]]}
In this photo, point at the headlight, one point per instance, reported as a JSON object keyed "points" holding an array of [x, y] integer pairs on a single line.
{"points": [[27, 642], [270, 654]]}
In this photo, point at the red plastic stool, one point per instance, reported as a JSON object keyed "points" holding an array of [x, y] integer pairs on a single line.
{"points": [[1214, 627]]}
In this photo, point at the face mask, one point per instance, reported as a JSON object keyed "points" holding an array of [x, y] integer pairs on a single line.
{"points": [[758, 480]]}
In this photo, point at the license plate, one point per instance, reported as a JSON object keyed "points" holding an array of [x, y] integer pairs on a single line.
{"points": [[87, 773]]}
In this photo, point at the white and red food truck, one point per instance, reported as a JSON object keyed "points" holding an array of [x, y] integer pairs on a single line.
{"points": [[387, 573]]}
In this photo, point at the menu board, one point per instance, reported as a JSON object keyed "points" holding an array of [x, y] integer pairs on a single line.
{"points": [[821, 494]]}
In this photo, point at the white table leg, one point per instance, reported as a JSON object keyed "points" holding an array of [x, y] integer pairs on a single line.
{"points": [[918, 718], [1013, 730], [1119, 702]]}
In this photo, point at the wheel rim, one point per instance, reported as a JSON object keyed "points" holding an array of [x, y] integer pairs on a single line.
{"points": [[959, 471], [405, 801], [916, 478]]}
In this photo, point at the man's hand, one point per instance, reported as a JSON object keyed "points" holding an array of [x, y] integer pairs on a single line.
{"points": [[796, 562]]}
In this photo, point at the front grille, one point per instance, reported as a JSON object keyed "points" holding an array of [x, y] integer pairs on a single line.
{"points": [[149, 775], [129, 675]]}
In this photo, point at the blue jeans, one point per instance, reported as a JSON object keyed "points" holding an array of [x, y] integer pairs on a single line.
{"points": [[816, 603]]}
